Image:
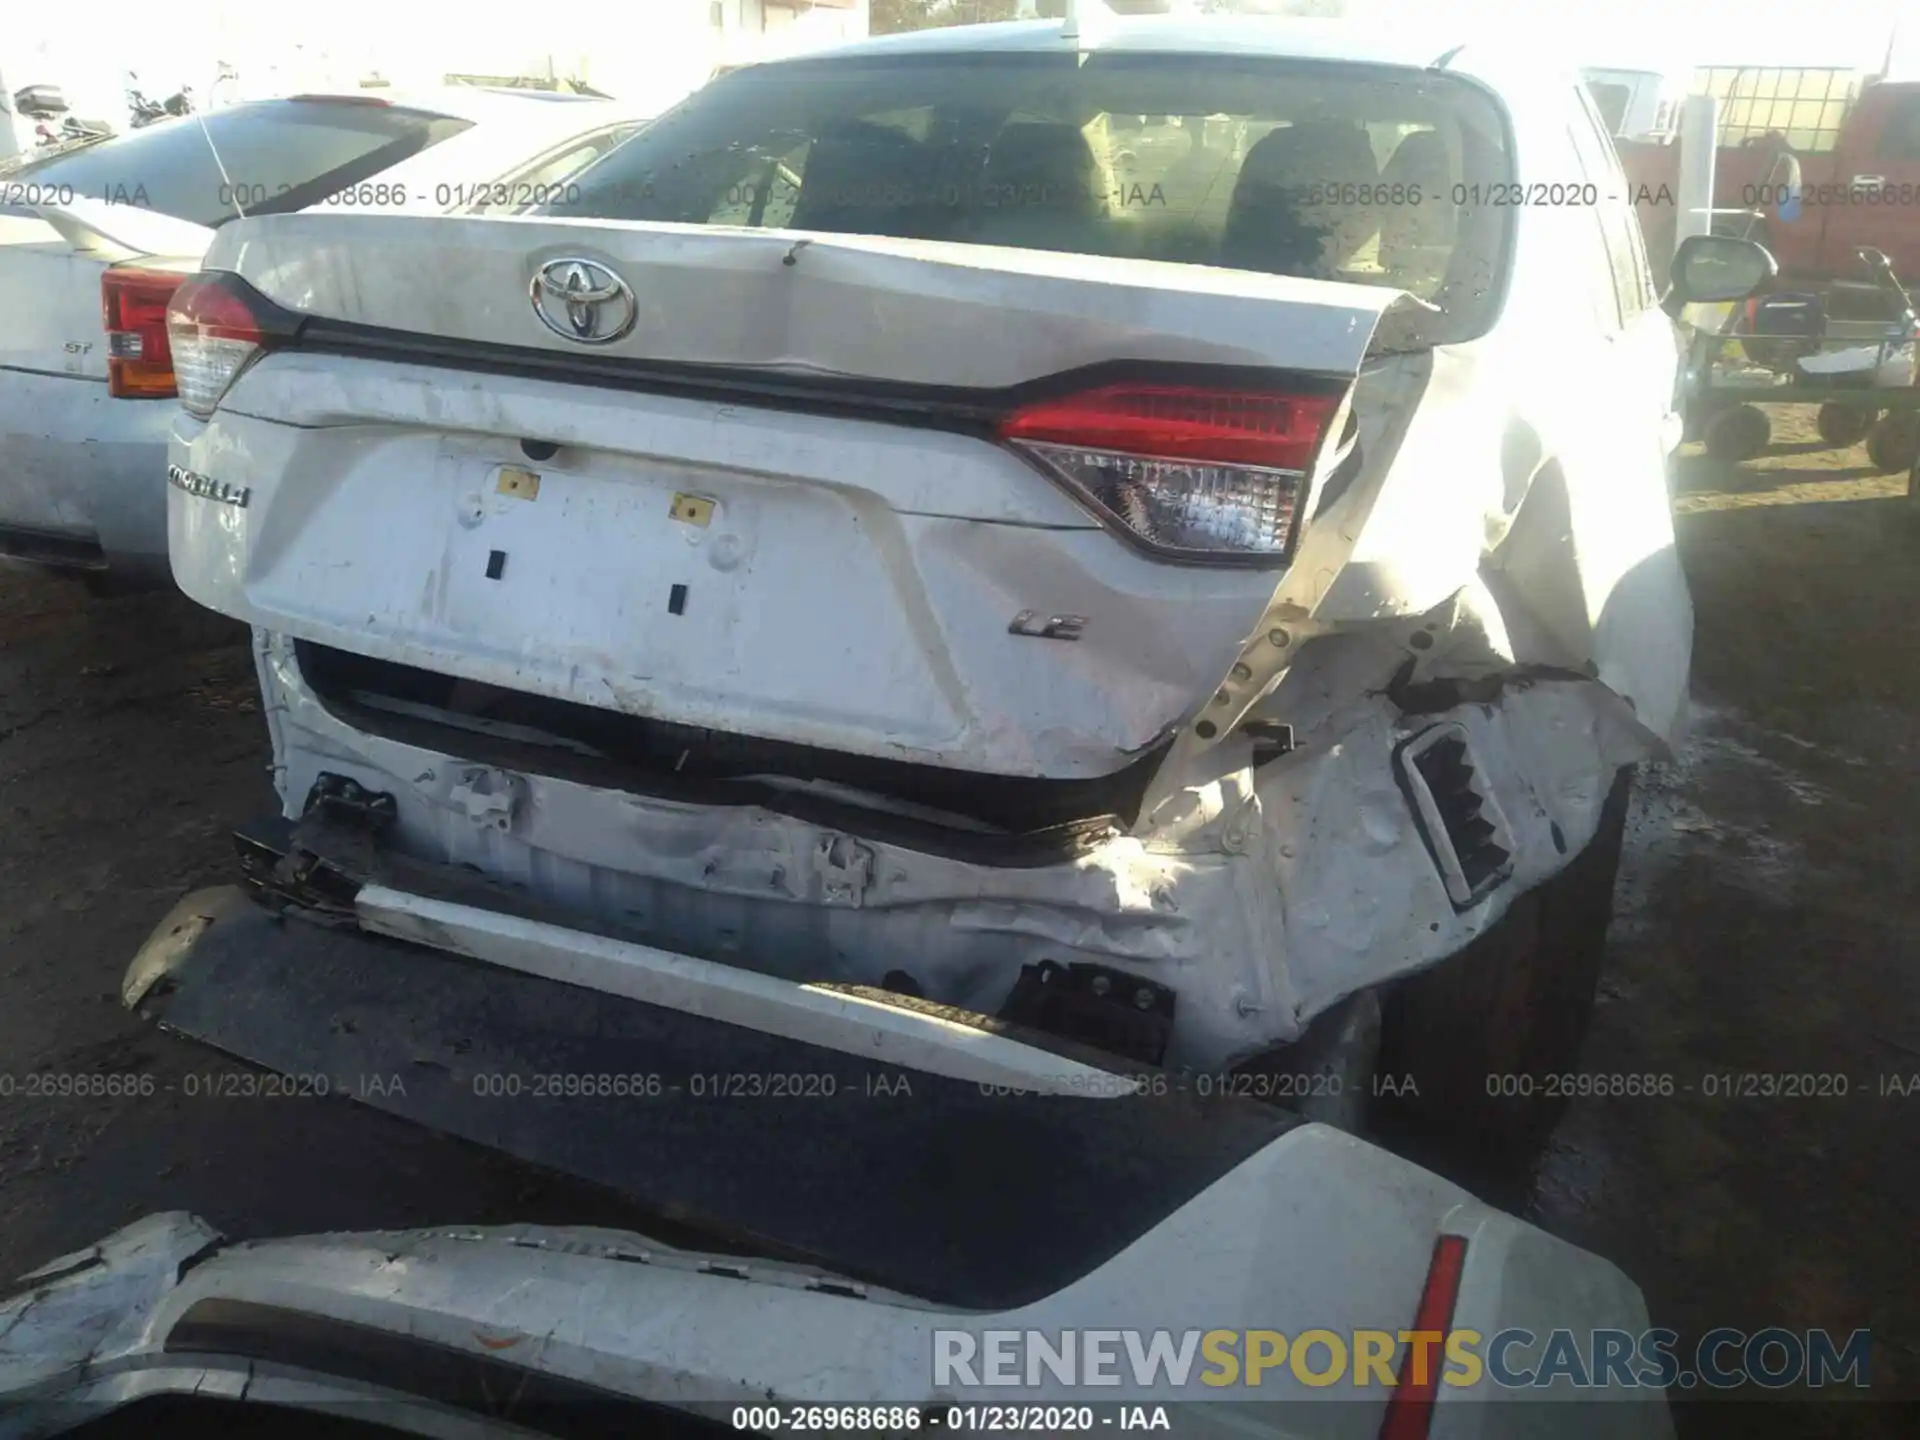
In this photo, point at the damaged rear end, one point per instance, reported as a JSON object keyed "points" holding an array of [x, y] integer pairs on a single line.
{"points": [[1159, 656]]}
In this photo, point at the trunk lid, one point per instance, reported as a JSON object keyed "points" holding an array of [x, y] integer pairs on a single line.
{"points": [[918, 312], [772, 506]]}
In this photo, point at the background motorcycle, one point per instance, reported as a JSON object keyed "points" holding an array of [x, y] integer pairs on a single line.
{"points": [[145, 111]]}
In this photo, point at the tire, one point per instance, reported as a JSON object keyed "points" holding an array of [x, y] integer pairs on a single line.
{"points": [[1738, 434], [1693, 424], [1509, 1012], [1843, 426], [1894, 443]]}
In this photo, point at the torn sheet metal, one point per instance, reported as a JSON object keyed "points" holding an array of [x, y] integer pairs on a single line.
{"points": [[1262, 897], [1459, 520]]}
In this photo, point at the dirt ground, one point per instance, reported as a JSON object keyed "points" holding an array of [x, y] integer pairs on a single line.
{"points": [[1766, 927]]}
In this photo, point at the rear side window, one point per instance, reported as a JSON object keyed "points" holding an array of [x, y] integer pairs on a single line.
{"points": [[548, 176], [279, 156], [1329, 171], [1619, 225]]}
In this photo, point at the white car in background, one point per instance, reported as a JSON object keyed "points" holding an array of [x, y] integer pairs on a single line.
{"points": [[1638, 105], [1210, 617], [515, 1331], [94, 240]]}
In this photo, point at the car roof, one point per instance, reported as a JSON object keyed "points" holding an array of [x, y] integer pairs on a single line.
{"points": [[481, 106], [1418, 45], [1178, 34], [463, 102]]}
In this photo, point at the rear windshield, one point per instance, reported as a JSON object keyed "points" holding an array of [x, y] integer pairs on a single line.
{"points": [[279, 156], [1320, 170], [1611, 101]]}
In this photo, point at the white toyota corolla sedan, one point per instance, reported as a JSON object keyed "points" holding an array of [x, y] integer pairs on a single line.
{"points": [[892, 526]]}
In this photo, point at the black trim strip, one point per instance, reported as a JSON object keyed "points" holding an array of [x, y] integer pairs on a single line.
{"points": [[1064, 819], [960, 409], [965, 409]]}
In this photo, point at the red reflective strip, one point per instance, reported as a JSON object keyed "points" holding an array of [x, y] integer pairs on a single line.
{"points": [[1176, 422], [1410, 1408]]}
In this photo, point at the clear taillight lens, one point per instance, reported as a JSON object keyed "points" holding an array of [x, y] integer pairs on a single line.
{"points": [[1188, 472], [216, 331]]}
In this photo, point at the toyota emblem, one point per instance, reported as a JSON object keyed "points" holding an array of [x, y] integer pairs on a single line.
{"points": [[583, 301]]}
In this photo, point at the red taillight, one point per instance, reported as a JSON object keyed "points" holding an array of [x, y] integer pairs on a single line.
{"points": [[1281, 432], [1410, 1408], [1191, 472], [133, 306], [216, 332]]}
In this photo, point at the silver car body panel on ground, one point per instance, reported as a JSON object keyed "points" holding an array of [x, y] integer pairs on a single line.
{"points": [[1317, 1231]]}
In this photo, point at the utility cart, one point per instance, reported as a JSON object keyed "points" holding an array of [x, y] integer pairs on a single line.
{"points": [[1848, 348]]}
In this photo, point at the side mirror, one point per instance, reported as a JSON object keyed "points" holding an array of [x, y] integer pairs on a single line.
{"points": [[1714, 269]]}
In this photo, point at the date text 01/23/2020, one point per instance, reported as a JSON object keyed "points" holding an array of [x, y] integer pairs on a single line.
{"points": [[955, 1418]]}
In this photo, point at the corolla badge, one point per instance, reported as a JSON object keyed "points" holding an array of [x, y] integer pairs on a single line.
{"points": [[583, 301], [207, 488]]}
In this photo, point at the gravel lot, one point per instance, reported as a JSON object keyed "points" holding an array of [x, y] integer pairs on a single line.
{"points": [[1767, 926]]}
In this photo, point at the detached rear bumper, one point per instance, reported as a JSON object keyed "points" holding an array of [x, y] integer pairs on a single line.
{"points": [[895, 1217], [1259, 912]]}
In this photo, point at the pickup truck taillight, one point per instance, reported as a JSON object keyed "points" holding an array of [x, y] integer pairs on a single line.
{"points": [[133, 307], [1188, 472], [218, 325]]}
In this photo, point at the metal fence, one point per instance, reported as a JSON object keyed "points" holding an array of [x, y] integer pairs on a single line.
{"points": [[1806, 106]]}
